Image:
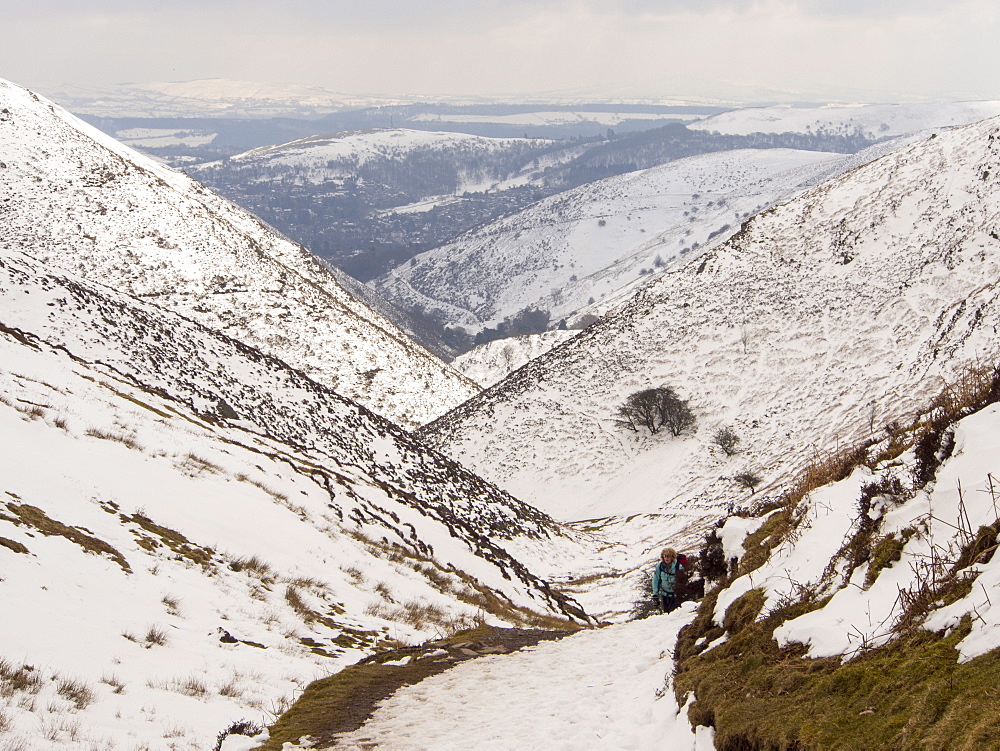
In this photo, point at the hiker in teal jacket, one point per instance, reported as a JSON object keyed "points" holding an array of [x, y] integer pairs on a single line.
{"points": [[665, 580]]}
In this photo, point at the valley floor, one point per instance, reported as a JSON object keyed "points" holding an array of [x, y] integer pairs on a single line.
{"points": [[608, 688]]}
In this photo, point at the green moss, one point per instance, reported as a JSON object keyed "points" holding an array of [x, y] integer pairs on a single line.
{"points": [[885, 552], [760, 543], [911, 693]]}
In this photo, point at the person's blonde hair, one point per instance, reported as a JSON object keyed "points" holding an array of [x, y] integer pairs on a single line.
{"points": [[668, 551]]}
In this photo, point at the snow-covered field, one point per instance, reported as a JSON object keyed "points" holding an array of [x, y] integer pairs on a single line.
{"points": [[154, 137], [191, 531], [491, 362], [550, 118]]}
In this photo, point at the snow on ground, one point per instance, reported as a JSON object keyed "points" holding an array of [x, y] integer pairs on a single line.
{"points": [[874, 120], [835, 313], [155, 137], [315, 159], [165, 570], [609, 688], [491, 362]]}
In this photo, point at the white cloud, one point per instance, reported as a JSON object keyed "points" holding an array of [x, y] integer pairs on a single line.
{"points": [[471, 46]]}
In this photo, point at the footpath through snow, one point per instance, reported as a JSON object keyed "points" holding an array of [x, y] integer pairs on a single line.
{"points": [[608, 688]]}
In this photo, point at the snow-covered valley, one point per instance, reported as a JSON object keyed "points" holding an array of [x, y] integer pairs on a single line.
{"points": [[198, 519]]}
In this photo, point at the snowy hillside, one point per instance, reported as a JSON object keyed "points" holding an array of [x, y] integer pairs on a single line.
{"points": [[873, 120], [493, 361], [319, 158], [587, 242], [190, 530], [75, 198], [822, 321]]}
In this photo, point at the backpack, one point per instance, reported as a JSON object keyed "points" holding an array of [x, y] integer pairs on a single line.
{"points": [[682, 560]]}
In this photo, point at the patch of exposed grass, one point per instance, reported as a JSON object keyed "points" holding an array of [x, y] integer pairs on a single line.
{"points": [[174, 540], [13, 545], [295, 601], [759, 544], [35, 518], [18, 679], [909, 694], [122, 438]]}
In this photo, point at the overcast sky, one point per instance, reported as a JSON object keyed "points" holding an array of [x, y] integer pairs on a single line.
{"points": [[906, 48]]}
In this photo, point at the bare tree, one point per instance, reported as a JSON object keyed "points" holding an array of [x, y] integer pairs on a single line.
{"points": [[727, 440], [748, 479], [655, 409]]}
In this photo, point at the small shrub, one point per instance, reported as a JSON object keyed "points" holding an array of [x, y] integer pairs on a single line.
{"points": [[712, 558]]}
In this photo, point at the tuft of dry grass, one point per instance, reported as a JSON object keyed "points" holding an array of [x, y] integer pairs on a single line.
{"points": [[172, 604], [19, 679], [155, 635], [295, 601], [253, 563], [77, 692], [117, 686], [122, 438], [356, 574]]}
